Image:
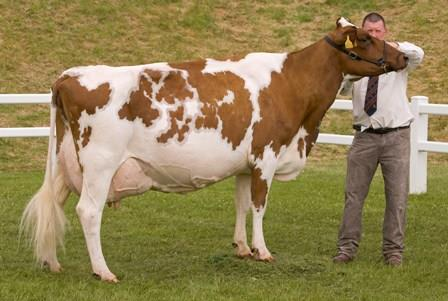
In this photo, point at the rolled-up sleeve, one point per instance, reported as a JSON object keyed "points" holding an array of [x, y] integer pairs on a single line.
{"points": [[346, 87], [414, 53]]}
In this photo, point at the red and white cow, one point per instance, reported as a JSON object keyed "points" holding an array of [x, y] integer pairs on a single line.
{"points": [[180, 127]]}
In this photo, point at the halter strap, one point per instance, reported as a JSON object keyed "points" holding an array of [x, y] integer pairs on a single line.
{"points": [[354, 56]]}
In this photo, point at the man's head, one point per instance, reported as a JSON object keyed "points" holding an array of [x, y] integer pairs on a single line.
{"points": [[375, 25]]}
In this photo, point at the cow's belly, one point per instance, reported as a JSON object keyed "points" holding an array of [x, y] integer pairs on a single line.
{"points": [[173, 177], [200, 160]]}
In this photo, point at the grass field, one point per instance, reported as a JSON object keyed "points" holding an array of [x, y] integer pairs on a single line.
{"points": [[178, 247]]}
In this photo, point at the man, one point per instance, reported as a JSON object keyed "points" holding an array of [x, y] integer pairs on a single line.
{"points": [[381, 120]]}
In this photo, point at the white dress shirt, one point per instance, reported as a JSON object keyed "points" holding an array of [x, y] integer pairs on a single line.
{"points": [[392, 102]]}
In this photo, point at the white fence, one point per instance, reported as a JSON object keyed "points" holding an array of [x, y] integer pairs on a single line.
{"points": [[420, 146]]}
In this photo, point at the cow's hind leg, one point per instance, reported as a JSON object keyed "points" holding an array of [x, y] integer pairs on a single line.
{"points": [[242, 204], [90, 208]]}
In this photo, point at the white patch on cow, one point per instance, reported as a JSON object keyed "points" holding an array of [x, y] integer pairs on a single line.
{"points": [[192, 107], [267, 164], [228, 99], [344, 22], [290, 161], [255, 68], [163, 122], [108, 138]]}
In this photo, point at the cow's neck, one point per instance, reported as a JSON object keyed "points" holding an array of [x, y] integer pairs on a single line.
{"points": [[315, 75]]}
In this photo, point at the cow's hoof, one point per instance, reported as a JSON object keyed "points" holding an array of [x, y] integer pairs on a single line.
{"points": [[247, 254], [262, 256], [54, 267], [115, 204], [106, 277], [243, 251]]}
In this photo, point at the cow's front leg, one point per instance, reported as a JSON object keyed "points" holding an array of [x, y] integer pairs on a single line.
{"points": [[242, 204], [261, 181]]}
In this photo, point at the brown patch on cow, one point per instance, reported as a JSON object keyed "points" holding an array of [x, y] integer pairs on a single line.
{"points": [[193, 66], [209, 120], [82, 98], [72, 99], [212, 88], [60, 128], [175, 116], [154, 75], [86, 136], [61, 125], [278, 125], [174, 87], [139, 105], [259, 189], [301, 147], [312, 136]]}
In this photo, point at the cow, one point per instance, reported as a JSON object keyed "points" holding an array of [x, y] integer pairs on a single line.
{"points": [[179, 127]]}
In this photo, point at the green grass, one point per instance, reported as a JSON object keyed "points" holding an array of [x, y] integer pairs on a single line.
{"points": [[178, 247]]}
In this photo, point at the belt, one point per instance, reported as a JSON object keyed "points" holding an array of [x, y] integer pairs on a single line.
{"points": [[380, 130]]}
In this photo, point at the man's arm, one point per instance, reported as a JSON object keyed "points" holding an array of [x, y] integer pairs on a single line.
{"points": [[346, 87], [414, 53]]}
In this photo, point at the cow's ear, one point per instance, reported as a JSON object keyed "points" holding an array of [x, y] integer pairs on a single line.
{"points": [[351, 36], [346, 36], [343, 22], [338, 23]]}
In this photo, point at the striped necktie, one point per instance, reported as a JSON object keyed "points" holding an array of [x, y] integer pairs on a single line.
{"points": [[371, 95]]}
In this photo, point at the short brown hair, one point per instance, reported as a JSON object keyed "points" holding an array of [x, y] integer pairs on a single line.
{"points": [[373, 17]]}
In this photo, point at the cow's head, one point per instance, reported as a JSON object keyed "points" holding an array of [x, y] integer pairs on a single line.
{"points": [[361, 54]]}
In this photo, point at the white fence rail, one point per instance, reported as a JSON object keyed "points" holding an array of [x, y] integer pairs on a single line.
{"points": [[420, 146]]}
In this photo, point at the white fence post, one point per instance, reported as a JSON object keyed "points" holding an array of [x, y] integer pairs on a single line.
{"points": [[418, 161]]}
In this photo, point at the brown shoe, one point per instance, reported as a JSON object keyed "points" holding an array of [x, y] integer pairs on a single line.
{"points": [[393, 260], [342, 258]]}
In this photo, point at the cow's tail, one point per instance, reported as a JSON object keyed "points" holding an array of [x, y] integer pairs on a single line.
{"points": [[43, 219]]}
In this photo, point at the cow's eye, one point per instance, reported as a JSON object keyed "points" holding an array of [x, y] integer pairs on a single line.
{"points": [[364, 41]]}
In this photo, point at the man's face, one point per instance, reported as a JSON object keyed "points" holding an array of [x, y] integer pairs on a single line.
{"points": [[375, 29]]}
